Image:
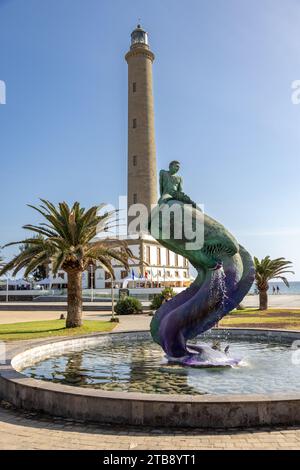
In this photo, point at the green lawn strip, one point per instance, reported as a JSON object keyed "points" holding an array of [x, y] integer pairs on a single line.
{"points": [[272, 318], [49, 328]]}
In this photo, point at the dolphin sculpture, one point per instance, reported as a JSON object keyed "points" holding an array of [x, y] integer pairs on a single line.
{"points": [[225, 275]]}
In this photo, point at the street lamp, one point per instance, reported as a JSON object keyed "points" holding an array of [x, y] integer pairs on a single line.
{"points": [[113, 316], [92, 282], [7, 282], [91, 279]]}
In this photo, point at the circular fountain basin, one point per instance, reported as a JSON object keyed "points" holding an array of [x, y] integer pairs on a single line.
{"points": [[124, 378]]}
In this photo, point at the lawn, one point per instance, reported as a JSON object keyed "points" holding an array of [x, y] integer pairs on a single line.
{"points": [[273, 318], [247, 318], [50, 328]]}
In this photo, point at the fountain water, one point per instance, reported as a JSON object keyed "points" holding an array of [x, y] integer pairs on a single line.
{"points": [[133, 363], [217, 288]]}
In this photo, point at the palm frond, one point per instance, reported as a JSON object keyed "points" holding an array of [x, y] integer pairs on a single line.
{"points": [[65, 239], [267, 269]]}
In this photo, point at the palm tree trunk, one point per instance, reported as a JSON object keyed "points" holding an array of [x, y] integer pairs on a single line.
{"points": [[74, 316], [263, 300]]}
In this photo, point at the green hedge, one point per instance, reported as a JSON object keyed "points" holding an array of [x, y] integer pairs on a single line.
{"points": [[128, 306], [158, 299]]}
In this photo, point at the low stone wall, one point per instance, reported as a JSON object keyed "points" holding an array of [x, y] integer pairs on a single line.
{"points": [[16, 298], [206, 411]]}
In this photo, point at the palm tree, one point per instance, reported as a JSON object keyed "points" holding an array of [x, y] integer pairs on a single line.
{"points": [[268, 269], [41, 271], [2, 264], [68, 242]]}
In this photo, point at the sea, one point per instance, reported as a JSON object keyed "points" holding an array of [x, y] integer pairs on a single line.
{"points": [[283, 289]]}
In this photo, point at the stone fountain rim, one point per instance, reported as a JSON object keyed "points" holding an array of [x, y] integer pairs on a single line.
{"points": [[8, 373], [127, 408]]}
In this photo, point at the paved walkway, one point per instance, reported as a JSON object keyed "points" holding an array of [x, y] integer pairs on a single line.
{"points": [[8, 317], [275, 301], [15, 316], [24, 431]]}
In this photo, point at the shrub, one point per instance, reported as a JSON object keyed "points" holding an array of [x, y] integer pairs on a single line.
{"points": [[158, 299], [156, 302], [168, 292], [128, 306]]}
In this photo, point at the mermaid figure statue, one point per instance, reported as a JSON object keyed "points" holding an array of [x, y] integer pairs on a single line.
{"points": [[225, 273]]}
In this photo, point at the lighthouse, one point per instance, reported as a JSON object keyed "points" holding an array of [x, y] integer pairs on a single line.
{"points": [[153, 266], [142, 171]]}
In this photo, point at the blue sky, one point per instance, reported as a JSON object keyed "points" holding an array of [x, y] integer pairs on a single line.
{"points": [[222, 84]]}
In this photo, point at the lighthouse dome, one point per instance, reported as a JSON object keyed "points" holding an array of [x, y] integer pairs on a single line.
{"points": [[139, 36]]}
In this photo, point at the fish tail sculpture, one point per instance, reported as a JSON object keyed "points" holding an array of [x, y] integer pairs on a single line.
{"points": [[225, 275]]}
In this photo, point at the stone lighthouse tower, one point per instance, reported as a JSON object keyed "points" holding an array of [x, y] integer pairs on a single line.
{"points": [[142, 173], [153, 265]]}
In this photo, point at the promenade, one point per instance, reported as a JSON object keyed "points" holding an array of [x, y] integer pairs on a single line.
{"points": [[15, 316], [27, 431]]}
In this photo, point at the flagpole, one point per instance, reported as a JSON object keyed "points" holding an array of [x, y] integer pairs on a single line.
{"points": [[112, 301], [133, 278]]}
